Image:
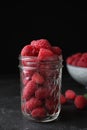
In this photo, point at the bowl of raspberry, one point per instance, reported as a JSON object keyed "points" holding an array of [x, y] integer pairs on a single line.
{"points": [[76, 65]]}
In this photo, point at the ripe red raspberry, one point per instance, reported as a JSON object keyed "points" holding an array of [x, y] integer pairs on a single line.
{"points": [[32, 104], [29, 50], [56, 50], [77, 55], [50, 104], [83, 60], [37, 78], [26, 76], [29, 90], [25, 81], [63, 100], [42, 93], [41, 43], [45, 54], [80, 102], [76, 59], [39, 113], [70, 94], [69, 60]]}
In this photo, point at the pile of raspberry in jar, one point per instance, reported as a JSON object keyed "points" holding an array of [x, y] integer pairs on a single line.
{"points": [[41, 73]]}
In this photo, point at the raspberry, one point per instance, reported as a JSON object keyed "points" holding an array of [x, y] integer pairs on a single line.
{"points": [[80, 102], [56, 50], [37, 78], [29, 50], [63, 100], [76, 59], [41, 43], [42, 93], [29, 90], [70, 94], [45, 54], [25, 81], [32, 104], [69, 60], [28, 73], [39, 113], [77, 55], [83, 60], [50, 104], [73, 60]]}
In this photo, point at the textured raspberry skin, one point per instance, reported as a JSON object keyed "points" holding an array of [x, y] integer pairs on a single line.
{"points": [[77, 55], [80, 102], [41, 43], [70, 94], [56, 50], [42, 93], [29, 50], [29, 90], [26, 76], [32, 104], [69, 60], [45, 54], [39, 113], [83, 60], [37, 78], [50, 104], [73, 59], [63, 100], [76, 58]]}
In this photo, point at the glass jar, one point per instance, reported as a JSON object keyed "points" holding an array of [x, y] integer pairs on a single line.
{"points": [[40, 88]]}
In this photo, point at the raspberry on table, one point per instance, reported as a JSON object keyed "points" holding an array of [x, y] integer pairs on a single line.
{"points": [[32, 104], [29, 50], [70, 94], [39, 113], [63, 100], [45, 54], [29, 90], [80, 102], [38, 78], [41, 43], [42, 93]]}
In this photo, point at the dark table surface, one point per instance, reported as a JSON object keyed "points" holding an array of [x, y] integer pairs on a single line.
{"points": [[11, 117]]}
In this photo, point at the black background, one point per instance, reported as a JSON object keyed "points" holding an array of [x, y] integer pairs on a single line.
{"points": [[64, 25]]}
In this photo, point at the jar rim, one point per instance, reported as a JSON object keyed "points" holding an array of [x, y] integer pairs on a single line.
{"points": [[59, 57]]}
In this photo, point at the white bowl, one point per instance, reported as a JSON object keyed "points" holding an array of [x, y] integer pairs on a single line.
{"points": [[78, 73]]}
